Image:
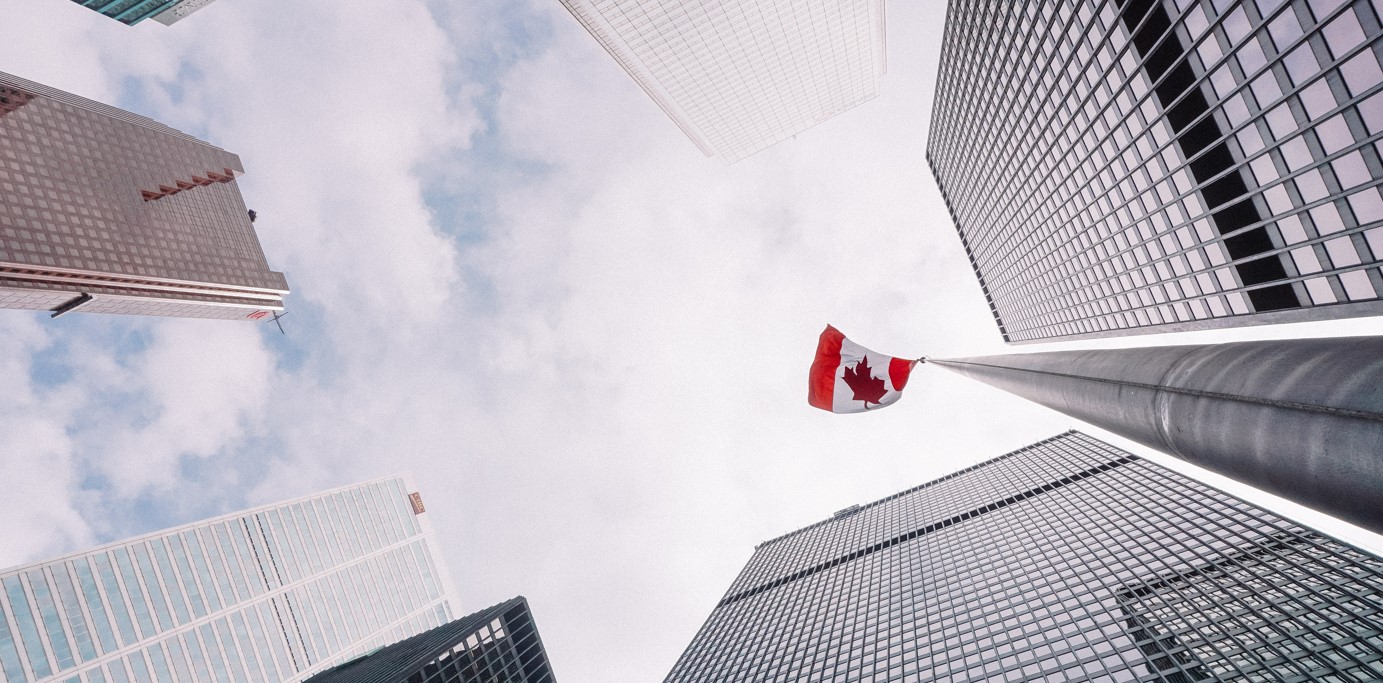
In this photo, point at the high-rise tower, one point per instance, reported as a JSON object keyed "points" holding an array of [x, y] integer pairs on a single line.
{"points": [[493, 645], [737, 77], [1068, 560], [104, 211], [268, 595], [1128, 166]]}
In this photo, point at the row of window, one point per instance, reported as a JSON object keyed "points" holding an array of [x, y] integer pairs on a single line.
{"points": [[1126, 575], [55, 616], [1093, 84]]}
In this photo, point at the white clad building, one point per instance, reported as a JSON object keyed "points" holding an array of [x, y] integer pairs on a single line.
{"points": [[738, 76], [276, 593]]}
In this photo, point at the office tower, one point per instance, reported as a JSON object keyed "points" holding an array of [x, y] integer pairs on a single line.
{"points": [[738, 77], [276, 593], [1130, 166], [497, 644], [103, 211], [132, 12], [1067, 560], [1301, 418]]}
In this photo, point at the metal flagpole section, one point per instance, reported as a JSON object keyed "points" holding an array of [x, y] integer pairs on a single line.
{"points": [[1300, 418]]}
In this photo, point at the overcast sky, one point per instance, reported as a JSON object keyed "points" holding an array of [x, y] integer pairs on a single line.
{"points": [[514, 277]]}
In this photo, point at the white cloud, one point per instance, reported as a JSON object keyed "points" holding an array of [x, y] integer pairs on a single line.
{"points": [[202, 387], [603, 397], [40, 486]]}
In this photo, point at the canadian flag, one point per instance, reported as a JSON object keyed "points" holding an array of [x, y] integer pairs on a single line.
{"points": [[848, 378]]}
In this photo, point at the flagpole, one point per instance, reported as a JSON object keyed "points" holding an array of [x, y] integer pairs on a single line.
{"points": [[1302, 418]]}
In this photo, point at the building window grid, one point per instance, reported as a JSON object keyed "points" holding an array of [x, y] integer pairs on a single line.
{"points": [[1172, 524], [167, 579], [1050, 94], [1296, 536], [212, 570], [1321, 162], [1090, 95], [327, 615], [94, 605], [157, 573], [78, 621], [1341, 60], [736, 122], [1179, 544], [50, 119], [1135, 473]]}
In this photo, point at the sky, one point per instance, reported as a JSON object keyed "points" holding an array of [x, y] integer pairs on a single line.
{"points": [[515, 278]]}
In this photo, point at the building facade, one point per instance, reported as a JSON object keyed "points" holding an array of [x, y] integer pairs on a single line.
{"points": [[104, 211], [496, 645], [739, 77], [268, 595], [1068, 560], [132, 12], [1120, 167]]}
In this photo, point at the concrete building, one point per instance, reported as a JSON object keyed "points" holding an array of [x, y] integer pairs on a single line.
{"points": [[1122, 167], [104, 211], [493, 645], [268, 595], [1067, 560], [738, 77]]}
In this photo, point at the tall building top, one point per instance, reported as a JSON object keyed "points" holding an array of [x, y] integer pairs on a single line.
{"points": [[739, 77], [26, 90], [866, 507], [399, 482], [1129, 167], [500, 643], [1068, 560], [272, 594], [106, 211]]}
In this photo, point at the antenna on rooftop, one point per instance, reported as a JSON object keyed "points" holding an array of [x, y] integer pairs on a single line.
{"points": [[276, 321]]}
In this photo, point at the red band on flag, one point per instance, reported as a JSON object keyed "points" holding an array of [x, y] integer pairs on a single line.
{"points": [[821, 383], [898, 371]]}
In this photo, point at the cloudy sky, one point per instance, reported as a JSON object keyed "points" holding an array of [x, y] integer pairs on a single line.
{"points": [[514, 277]]}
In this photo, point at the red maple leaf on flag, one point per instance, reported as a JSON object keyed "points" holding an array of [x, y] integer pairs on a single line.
{"points": [[862, 381]]}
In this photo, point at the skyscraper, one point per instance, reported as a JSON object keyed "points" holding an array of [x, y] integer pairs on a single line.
{"points": [[276, 593], [103, 211], [132, 12], [1128, 166], [737, 77], [1067, 560], [493, 645]]}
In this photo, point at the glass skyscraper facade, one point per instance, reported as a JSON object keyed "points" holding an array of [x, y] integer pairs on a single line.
{"points": [[737, 77], [1127, 166], [269, 595], [1067, 560], [104, 211], [496, 645]]}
